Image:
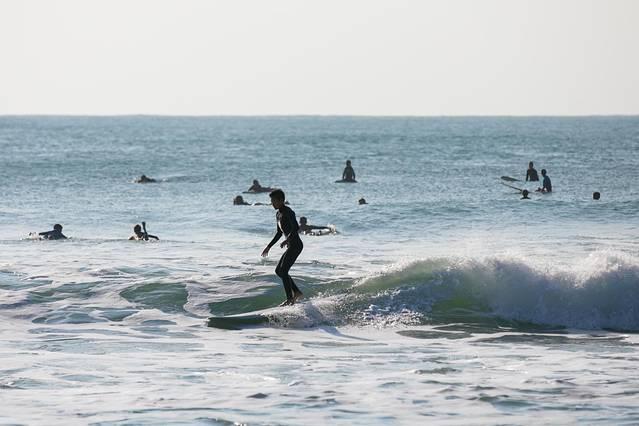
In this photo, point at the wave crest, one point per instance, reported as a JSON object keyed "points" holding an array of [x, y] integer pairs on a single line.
{"points": [[602, 293]]}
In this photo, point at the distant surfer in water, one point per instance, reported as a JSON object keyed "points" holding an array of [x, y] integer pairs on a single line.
{"points": [[56, 234], [524, 194], [362, 201], [287, 225], [348, 175], [145, 179], [140, 234], [531, 173], [239, 201], [306, 228], [546, 184], [256, 187], [596, 195]]}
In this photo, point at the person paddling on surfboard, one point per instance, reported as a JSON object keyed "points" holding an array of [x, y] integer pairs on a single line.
{"points": [[56, 234], [287, 225], [256, 187], [531, 173], [140, 234], [305, 228], [145, 179]]}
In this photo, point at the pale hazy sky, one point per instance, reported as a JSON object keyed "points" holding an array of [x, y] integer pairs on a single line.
{"points": [[354, 57]]}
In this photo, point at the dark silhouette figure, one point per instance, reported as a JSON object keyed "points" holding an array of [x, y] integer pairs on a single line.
{"points": [[256, 187], [596, 195], [546, 185], [348, 175], [524, 194], [239, 201], [145, 179], [531, 173], [287, 225], [56, 234], [362, 201], [139, 233], [304, 227]]}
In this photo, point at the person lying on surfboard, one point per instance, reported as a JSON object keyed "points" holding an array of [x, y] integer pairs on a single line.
{"points": [[531, 173], [140, 234], [256, 187], [239, 201], [56, 234], [286, 225], [145, 179], [305, 227]]}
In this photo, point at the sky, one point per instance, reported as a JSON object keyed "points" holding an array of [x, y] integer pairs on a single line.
{"points": [[328, 57]]}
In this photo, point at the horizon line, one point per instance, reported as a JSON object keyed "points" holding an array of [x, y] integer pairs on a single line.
{"points": [[320, 115]]}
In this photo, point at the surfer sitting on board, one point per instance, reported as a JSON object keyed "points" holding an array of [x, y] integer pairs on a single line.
{"points": [[547, 185], [139, 234], [348, 175], [287, 225], [531, 173], [56, 234]]}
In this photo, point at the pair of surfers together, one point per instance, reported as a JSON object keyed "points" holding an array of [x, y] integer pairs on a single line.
{"points": [[531, 175], [348, 175]]}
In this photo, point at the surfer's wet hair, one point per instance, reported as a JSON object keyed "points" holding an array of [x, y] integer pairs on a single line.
{"points": [[278, 194]]}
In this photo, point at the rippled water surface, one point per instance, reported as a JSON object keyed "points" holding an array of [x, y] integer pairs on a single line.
{"points": [[446, 298]]}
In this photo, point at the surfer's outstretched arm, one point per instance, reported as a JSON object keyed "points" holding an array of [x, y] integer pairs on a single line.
{"points": [[275, 239]]}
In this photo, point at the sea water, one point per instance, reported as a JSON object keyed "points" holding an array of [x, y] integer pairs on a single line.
{"points": [[445, 299]]}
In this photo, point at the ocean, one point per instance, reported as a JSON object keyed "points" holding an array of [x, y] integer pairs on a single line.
{"points": [[446, 299]]}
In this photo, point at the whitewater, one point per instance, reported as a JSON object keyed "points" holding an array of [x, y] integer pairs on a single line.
{"points": [[445, 299]]}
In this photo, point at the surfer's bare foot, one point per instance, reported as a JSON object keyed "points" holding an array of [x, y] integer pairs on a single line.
{"points": [[287, 302], [297, 295]]}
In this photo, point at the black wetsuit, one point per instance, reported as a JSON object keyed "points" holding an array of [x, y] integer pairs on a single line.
{"points": [[287, 225], [531, 175], [348, 174], [547, 186], [53, 235]]}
